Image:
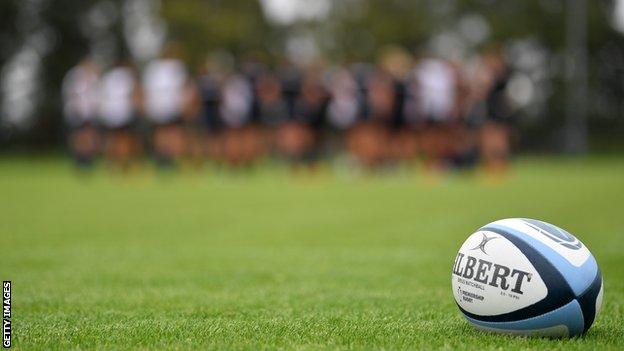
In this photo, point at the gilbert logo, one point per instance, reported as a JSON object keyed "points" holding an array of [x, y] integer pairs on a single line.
{"points": [[6, 314], [484, 241], [488, 271]]}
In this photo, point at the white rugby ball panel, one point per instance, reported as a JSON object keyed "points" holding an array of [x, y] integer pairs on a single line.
{"points": [[491, 276]]}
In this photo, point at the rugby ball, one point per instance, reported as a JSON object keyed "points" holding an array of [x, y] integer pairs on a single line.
{"points": [[527, 277]]}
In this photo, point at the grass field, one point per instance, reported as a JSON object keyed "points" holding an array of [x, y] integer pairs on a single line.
{"points": [[272, 261]]}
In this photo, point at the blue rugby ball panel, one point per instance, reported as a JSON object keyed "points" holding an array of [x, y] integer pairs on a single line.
{"points": [[563, 322], [587, 300]]}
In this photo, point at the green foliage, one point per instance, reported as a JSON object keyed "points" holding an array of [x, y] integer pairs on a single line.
{"points": [[237, 26]]}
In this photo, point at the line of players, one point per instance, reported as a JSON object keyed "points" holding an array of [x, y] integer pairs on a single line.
{"points": [[446, 114]]}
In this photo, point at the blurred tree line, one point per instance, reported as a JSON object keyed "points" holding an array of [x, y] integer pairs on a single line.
{"points": [[59, 33]]}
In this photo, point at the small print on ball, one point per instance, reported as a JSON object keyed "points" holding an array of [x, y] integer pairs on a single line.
{"points": [[527, 277]]}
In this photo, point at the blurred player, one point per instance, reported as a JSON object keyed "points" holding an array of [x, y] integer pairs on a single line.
{"points": [[240, 139], [165, 83], [193, 126], [119, 101], [345, 105], [370, 139], [299, 137], [462, 133], [495, 134], [430, 107], [209, 83], [80, 102], [397, 62], [272, 108]]}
